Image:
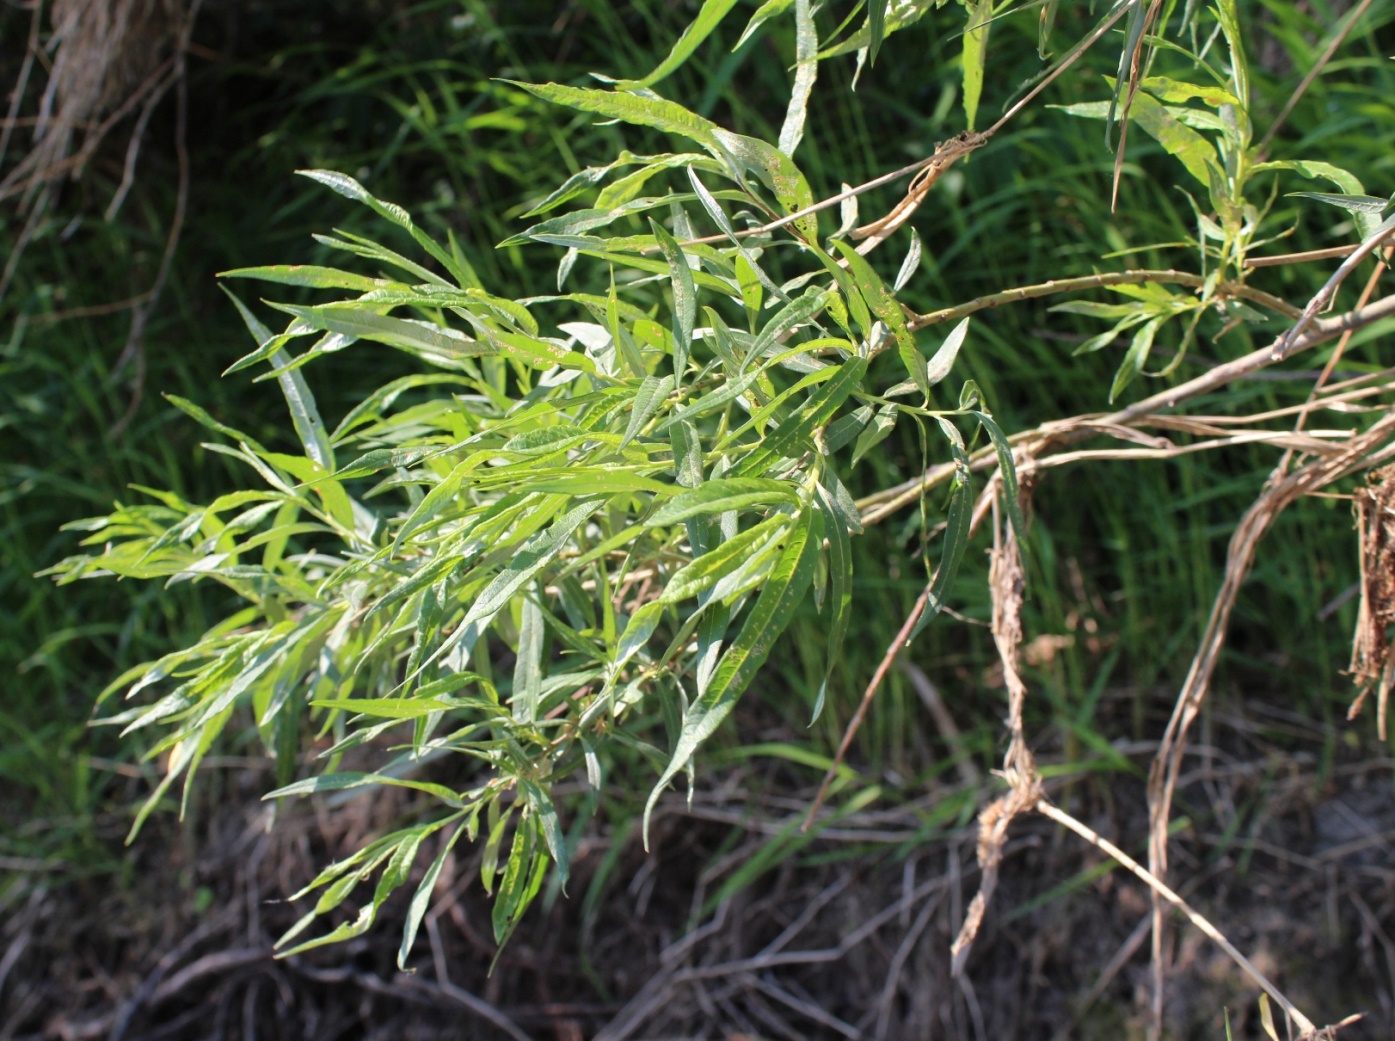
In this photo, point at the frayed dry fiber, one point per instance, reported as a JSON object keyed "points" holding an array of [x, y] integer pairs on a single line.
{"points": [[1371, 660], [109, 58]]}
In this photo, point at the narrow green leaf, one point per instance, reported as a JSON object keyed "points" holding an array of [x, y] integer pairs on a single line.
{"points": [[1178, 139], [1174, 92], [512, 897], [628, 108], [535, 554], [687, 454], [305, 416], [1354, 203], [806, 70], [943, 359], [768, 10], [876, 30], [721, 495], [527, 668], [980, 17], [412, 335], [779, 597], [724, 225], [1136, 357], [840, 570], [887, 308], [776, 171], [706, 570], [684, 299], [752, 293], [956, 538], [540, 804], [421, 899], [882, 424], [307, 275], [793, 435], [1046, 21], [1228, 15], [1348, 182], [909, 265], [711, 15], [1008, 469], [652, 393], [351, 189]]}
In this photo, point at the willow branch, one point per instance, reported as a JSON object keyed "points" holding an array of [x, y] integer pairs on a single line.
{"points": [[1108, 278], [1053, 437]]}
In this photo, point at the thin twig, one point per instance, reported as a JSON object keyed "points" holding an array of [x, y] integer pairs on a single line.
{"points": [[945, 153], [1367, 449], [1108, 278], [1313, 254], [1324, 295], [1313, 74], [1046, 809]]}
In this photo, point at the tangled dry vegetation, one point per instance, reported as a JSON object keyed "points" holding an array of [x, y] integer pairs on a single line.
{"points": [[854, 942], [109, 64]]}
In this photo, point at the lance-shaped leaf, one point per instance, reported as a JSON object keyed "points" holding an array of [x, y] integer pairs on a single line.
{"points": [[882, 424], [768, 10], [721, 495], [711, 15], [779, 597], [523, 877], [806, 70], [540, 805], [684, 298], [351, 189], [653, 112], [980, 15], [648, 399], [533, 556], [887, 308], [408, 334], [943, 360], [1136, 357], [421, 899], [876, 29], [308, 275], [840, 570], [956, 539], [798, 429], [1008, 467], [776, 171], [527, 666], [305, 416]]}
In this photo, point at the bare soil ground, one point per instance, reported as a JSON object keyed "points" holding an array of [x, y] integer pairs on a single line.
{"points": [[735, 927]]}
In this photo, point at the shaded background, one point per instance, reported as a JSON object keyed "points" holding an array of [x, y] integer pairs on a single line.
{"points": [[1288, 811]]}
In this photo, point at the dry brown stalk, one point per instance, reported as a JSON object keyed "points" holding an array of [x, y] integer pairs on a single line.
{"points": [[1370, 448], [1006, 583], [946, 155], [1372, 664], [1330, 253], [1161, 891]]}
